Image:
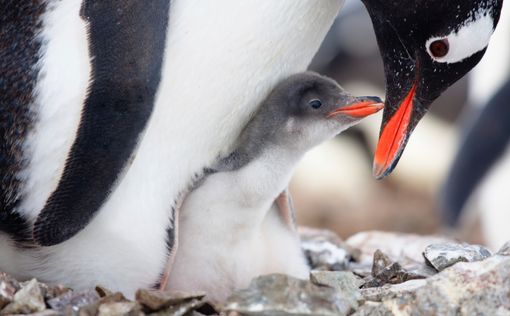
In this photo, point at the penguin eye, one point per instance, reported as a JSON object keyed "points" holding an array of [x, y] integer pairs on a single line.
{"points": [[315, 103], [439, 48], [471, 37]]}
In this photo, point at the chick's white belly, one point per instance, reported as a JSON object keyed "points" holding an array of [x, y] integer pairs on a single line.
{"points": [[225, 243]]}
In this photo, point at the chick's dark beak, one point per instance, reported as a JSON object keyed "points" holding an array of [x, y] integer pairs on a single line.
{"points": [[360, 108]]}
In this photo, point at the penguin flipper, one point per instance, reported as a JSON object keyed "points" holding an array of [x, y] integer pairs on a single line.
{"points": [[285, 209], [127, 42]]}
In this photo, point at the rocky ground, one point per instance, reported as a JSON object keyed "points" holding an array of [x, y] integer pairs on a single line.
{"points": [[371, 273]]}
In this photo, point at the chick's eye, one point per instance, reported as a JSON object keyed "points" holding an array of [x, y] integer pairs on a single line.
{"points": [[439, 48], [315, 103]]}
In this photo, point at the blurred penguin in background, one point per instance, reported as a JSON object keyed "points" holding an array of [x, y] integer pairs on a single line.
{"points": [[479, 177]]}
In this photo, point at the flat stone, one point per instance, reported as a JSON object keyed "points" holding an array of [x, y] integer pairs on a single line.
{"points": [[443, 255], [29, 299], [184, 308], [47, 312], [113, 298], [279, 294], [119, 309], [374, 309], [345, 282], [324, 250], [158, 300]]}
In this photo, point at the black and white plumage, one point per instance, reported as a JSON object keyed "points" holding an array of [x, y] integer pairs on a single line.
{"points": [[219, 59], [231, 229], [101, 132], [119, 103]]}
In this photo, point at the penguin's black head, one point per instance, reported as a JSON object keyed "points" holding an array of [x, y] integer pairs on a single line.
{"points": [[426, 46]]}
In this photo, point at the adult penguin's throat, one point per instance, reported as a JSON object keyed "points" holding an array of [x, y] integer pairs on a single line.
{"points": [[394, 137]]}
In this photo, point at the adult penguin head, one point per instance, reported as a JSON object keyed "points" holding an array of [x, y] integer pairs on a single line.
{"points": [[426, 46]]}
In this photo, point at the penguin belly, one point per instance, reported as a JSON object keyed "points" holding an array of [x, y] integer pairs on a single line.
{"points": [[221, 58], [228, 236]]}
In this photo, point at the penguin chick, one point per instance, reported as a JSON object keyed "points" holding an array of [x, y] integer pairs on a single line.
{"points": [[232, 227]]}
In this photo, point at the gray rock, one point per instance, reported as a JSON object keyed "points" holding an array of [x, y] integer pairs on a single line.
{"points": [[505, 249], [380, 262], [420, 269], [51, 292], [103, 292], [119, 309], [374, 309], [158, 300], [4, 277], [29, 299], [194, 313], [389, 291], [47, 312], [345, 282], [278, 294], [384, 271], [443, 255], [474, 288], [8, 287], [74, 301], [325, 250], [181, 309], [392, 274]]}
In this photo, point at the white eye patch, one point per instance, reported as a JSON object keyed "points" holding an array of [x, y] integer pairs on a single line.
{"points": [[472, 37]]}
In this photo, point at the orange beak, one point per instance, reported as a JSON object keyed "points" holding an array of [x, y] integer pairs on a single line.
{"points": [[359, 109], [393, 137]]}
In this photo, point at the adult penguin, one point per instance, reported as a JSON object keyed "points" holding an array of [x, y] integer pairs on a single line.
{"points": [[111, 108]]}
